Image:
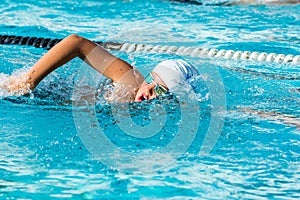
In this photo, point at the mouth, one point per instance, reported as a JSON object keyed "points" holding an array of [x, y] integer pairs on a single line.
{"points": [[141, 98]]}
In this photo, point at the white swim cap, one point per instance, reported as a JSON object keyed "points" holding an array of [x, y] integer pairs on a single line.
{"points": [[174, 72]]}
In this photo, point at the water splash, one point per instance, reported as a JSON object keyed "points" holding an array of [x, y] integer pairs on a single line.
{"points": [[14, 85]]}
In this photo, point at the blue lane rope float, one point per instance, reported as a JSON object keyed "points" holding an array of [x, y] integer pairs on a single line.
{"points": [[48, 43]]}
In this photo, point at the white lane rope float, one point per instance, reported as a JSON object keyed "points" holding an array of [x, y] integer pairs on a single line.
{"points": [[212, 53], [48, 43]]}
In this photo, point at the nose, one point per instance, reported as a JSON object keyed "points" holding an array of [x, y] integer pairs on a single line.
{"points": [[149, 92]]}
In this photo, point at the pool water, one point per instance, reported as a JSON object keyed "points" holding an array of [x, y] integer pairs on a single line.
{"points": [[256, 154]]}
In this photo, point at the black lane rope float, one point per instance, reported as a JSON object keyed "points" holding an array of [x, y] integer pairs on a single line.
{"points": [[48, 43], [31, 41], [40, 42]]}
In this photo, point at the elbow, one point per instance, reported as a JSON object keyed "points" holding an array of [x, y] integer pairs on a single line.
{"points": [[75, 37]]}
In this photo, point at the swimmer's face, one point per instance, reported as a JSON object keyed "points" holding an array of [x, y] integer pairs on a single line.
{"points": [[152, 87]]}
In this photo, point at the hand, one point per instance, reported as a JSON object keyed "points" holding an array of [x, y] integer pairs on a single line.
{"points": [[16, 85]]}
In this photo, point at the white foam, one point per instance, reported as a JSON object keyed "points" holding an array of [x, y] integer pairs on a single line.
{"points": [[3, 81]]}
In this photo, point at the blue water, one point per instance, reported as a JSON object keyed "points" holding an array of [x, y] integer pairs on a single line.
{"points": [[256, 156]]}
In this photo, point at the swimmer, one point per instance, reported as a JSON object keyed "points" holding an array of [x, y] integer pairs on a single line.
{"points": [[239, 2], [164, 78], [274, 116], [266, 2]]}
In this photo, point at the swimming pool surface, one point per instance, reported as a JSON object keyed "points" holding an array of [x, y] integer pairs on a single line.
{"points": [[257, 151]]}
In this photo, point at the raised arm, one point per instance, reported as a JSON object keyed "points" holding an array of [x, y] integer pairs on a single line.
{"points": [[76, 46], [69, 48]]}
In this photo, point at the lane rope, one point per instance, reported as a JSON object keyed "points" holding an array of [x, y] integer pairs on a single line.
{"points": [[47, 43]]}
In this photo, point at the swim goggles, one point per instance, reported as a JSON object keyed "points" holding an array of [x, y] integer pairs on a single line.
{"points": [[159, 89]]}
